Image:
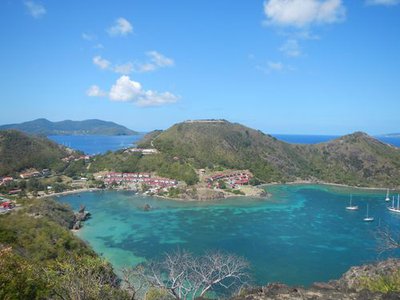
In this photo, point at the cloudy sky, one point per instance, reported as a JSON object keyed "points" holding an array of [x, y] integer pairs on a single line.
{"points": [[282, 66]]}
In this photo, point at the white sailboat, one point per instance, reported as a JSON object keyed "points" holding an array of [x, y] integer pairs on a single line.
{"points": [[351, 206], [387, 196], [393, 208], [367, 217]]}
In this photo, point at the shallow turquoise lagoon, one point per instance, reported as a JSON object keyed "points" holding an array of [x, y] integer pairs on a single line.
{"points": [[300, 235]]}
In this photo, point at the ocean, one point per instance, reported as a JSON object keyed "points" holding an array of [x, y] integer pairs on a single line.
{"points": [[95, 144]]}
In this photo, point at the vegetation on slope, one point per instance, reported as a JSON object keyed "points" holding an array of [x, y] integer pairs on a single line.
{"points": [[41, 259], [19, 151], [163, 165], [68, 127], [355, 159]]}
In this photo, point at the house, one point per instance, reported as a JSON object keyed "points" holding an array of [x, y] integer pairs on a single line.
{"points": [[15, 192], [6, 180], [7, 205], [46, 172], [233, 178], [30, 174], [142, 151], [138, 178]]}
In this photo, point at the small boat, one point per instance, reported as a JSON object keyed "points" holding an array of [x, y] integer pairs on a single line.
{"points": [[367, 217], [387, 199], [351, 207], [393, 208]]}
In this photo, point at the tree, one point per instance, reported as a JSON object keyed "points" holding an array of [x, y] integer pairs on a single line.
{"points": [[185, 276], [134, 280]]}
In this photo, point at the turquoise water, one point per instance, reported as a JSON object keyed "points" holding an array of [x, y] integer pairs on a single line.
{"points": [[300, 235]]}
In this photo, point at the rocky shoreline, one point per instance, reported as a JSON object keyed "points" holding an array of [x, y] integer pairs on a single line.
{"points": [[79, 217], [350, 286]]}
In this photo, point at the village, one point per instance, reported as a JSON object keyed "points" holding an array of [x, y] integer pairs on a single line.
{"points": [[144, 182]]}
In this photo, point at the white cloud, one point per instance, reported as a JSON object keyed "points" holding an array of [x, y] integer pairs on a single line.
{"points": [[95, 91], [301, 13], [274, 67], [153, 98], [156, 61], [88, 36], [36, 10], [127, 90], [160, 60], [383, 2], [124, 68], [98, 46], [121, 27], [291, 48], [101, 62]]}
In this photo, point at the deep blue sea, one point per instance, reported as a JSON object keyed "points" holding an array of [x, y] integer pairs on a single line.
{"points": [[315, 139], [96, 144], [302, 234]]}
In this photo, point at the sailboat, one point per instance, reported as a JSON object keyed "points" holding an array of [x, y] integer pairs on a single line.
{"points": [[351, 207], [367, 217], [387, 196], [393, 208]]}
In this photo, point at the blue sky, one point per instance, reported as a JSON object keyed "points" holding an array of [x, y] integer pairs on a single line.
{"points": [[282, 66]]}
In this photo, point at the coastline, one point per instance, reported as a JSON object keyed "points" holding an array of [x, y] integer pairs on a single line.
{"points": [[305, 182], [226, 195], [77, 191]]}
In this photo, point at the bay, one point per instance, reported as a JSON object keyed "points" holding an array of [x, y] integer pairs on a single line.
{"points": [[96, 144], [300, 235]]}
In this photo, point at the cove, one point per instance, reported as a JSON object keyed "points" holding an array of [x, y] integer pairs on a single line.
{"points": [[301, 234]]}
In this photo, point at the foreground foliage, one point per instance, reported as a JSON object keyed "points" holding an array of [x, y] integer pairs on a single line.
{"points": [[384, 283], [40, 258]]}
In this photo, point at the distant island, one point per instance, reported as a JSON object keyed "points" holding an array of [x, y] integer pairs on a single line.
{"points": [[68, 127], [392, 135]]}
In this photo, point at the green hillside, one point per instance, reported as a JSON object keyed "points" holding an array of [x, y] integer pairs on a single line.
{"points": [[355, 159], [19, 151], [228, 145], [68, 127]]}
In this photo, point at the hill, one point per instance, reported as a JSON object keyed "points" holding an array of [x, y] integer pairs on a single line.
{"points": [[224, 144], [355, 159], [19, 151], [68, 127]]}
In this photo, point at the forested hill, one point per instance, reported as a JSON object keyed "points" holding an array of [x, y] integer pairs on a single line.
{"points": [[68, 127], [19, 151], [355, 159]]}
